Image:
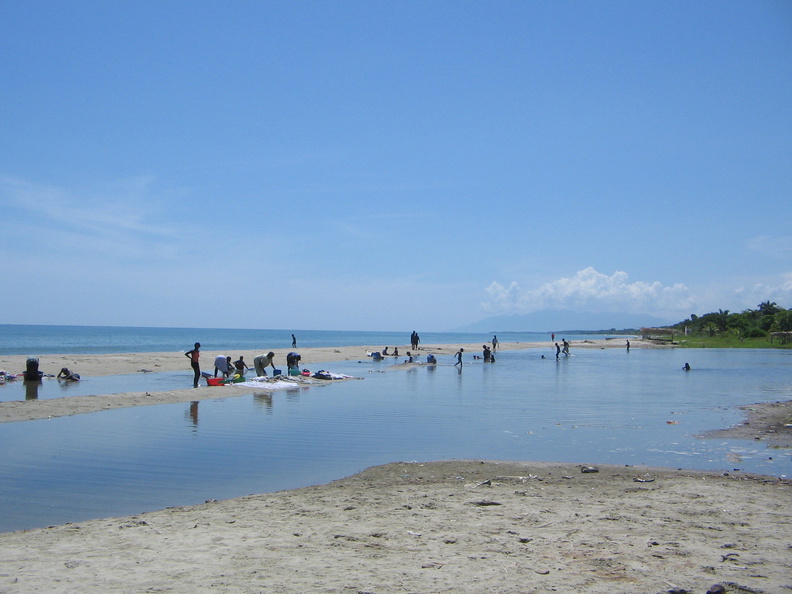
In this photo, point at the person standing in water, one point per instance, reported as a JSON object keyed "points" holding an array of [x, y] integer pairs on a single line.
{"points": [[495, 343], [194, 355], [294, 342], [459, 358]]}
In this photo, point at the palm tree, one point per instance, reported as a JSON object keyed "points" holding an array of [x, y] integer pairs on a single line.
{"points": [[721, 319], [768, 308]]}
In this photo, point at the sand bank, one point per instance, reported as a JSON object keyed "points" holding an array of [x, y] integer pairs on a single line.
{"points": [[117, 364], [453, 526], [765, 421]]}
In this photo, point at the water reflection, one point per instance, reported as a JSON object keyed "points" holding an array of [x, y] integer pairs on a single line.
{"points": [[50, 387], [31, 389], [68, 387], [292, 394], [193, 414], [263, 400]]}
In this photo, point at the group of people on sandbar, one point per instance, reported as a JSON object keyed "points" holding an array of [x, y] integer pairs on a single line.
{"points": [[227, 369], [33, 374], [224, 366]]}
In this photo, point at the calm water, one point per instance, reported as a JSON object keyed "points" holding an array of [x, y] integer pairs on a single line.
{"points": [[598, 406], [36, 340], [50, 387]]}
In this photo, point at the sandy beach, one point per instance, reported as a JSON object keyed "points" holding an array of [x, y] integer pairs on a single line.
{"points": [[446, 526], [452, 526]]}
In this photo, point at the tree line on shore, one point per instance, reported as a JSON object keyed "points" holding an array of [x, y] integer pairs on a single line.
{"points": [[767, 318]]}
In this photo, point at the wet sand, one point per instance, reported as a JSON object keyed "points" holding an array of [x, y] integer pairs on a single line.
{"points": [[447, 526], [765, 421], [451, 526]]}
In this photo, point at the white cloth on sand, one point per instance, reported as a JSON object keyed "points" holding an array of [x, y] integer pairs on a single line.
{"points": [[267, 383]]}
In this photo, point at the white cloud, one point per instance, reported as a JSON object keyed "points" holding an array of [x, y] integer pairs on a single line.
{"points": [[591, 291], [751, 297]]}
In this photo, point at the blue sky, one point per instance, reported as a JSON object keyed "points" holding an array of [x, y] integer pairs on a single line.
{"points": [[391, 165]]}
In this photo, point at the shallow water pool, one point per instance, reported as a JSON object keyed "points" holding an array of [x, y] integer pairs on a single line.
{"points": [[597, 406]]}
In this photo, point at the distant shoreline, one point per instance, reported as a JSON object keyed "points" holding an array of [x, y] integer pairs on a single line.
{"points": [[121, 363]]}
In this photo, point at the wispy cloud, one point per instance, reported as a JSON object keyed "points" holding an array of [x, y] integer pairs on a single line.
{"points": [[126, 205], [778, 246], [118, 222], [591, 291]]}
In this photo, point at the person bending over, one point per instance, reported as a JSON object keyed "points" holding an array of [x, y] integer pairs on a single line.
{"points": [[293, 360], [261, 362], [222, 364]]}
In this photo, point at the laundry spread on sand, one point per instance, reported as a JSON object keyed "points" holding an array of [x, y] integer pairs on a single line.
{"points": [[329, 375], [283, 382], [266, 383]]}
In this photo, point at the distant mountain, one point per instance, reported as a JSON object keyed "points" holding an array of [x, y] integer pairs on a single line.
{"points": [[564, 320]]}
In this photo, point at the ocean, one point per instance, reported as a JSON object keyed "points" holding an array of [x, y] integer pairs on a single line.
{"points": [[22, 339]]}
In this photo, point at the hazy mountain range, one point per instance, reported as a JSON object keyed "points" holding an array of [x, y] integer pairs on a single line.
{"points": [[564, 320]]}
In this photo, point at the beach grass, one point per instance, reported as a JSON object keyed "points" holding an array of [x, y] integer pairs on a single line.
{"points": [[727, 341]]}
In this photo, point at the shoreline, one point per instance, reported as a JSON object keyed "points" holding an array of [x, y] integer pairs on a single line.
{"points": [[120, 363], [443, 526], [447, 526]]}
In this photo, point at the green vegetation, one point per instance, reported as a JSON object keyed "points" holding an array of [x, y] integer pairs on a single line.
{"points": [[752, 328]]}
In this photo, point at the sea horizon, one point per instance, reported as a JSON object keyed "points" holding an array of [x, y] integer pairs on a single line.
{"points": [[39, 339]]}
